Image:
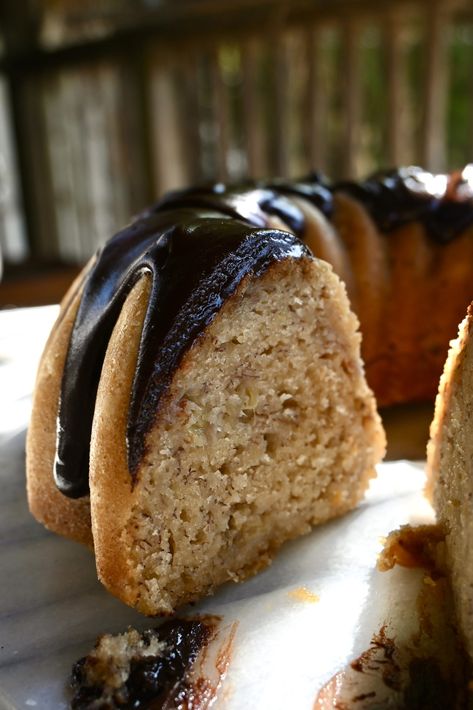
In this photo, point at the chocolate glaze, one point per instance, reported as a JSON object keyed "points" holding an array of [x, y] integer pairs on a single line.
{"points": [[195, 261], [315, 188], [196, 246], [253, 203], [443, 203], [153, 681]]}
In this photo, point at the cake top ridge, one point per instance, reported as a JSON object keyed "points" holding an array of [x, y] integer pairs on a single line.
{"points": [[442, 202], [394, 197], [197, 245], [196, 260]]}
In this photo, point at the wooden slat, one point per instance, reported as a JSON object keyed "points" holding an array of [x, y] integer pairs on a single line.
{"points": [[77, 89], [351, 97], [316, 102], [66, 98], [395, 72], [298, 161], [13, 245], [469, 157], [281, 117], [34, 168], [222, 114], [169, 164], [136, 120], [435, 88], [190, 114], [252, 111], [177, 144], [114, 152], [176, 21], [37, 289]]}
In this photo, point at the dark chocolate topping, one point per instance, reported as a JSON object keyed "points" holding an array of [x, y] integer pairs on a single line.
{"points": [[315, 188], [197, 245], [195, 261], [443, 203], [252, 203], [154, 681]]}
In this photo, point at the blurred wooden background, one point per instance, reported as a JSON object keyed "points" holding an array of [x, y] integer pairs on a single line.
{"points": [[106, 104]]}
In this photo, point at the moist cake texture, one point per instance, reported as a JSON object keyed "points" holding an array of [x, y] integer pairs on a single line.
{"points": [[205, 371], [450, 471]]}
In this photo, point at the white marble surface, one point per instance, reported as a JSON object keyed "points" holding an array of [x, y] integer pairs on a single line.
{"points": [[52, 607]]}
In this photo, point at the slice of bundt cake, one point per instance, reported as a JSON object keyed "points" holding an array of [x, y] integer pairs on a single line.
{"points": [[399, 240], [450, 471], [211, 371], [205, 369], [267, 429]]}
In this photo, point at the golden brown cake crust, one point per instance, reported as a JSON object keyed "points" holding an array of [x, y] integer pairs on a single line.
{"points": [[395, 282], [109, 464], [126, 537], [59, 514], [450, 471], [197, 510], [368, 287]]}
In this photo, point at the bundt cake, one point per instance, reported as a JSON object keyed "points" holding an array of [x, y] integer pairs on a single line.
{"points": [[399, 240], [204, 371], [212, 370], [450, 471]]}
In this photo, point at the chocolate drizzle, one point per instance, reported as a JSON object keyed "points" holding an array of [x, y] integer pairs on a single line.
{"points": [[160, 681], [443, 203], [196, 246], [314, 188], [252, 203], [195, 261]]}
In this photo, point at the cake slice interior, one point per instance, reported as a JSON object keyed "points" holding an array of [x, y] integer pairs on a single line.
{"points": [[450, 471], [268, 428]]}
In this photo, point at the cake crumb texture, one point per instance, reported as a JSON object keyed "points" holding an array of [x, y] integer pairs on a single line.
{"points": [[450, 471], [268, 429], [152, 669]]}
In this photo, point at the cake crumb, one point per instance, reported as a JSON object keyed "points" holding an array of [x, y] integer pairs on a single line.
{"points": [[161, 667], [420, 546], [302, 594]]}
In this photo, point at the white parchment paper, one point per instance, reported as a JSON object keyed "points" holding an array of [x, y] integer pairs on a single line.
{"points": [[299, 621]]}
